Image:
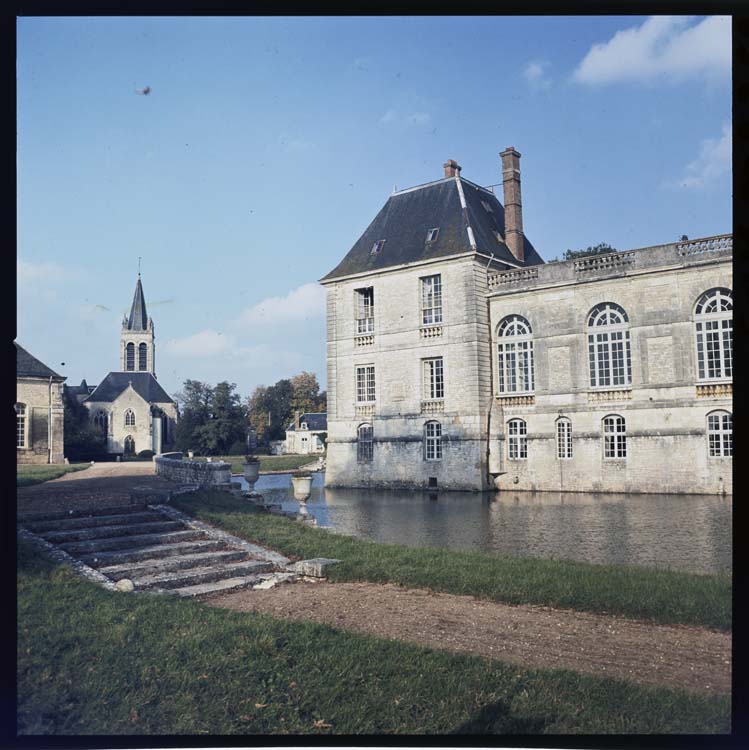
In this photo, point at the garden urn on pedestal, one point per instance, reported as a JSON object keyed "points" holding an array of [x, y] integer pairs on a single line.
{"points": [[302, 483], [251, 470]]}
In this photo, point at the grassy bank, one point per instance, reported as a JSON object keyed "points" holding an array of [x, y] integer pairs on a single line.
{"points": [[659, 595], [27, 474], [267, 463], [92, 661]]}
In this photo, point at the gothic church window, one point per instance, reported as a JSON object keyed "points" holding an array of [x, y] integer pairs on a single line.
{"points": [[129, 444], [614, 436], [609, 352], [142, 357], [101, 421], [433, 441], [517, 439], [515, 352], [364, 443], [713, 324], [720, 433], [129, 418], [130, 357]]}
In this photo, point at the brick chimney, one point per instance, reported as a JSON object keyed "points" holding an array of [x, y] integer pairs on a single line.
{"points": [[296, 419], [513, 202], [452, 169]]}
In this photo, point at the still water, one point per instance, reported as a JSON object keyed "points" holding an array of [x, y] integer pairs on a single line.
{"points": [[684, 532]]}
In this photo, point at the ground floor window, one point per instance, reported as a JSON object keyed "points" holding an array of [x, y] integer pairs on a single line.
{"points": [[364, 443], [614, 437], [517, 443], [720, 433], [21, 441], [433, 441], [564, 438], [129, 444]]}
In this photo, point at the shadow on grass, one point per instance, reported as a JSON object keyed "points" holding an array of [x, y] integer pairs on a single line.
{"points": [[496, 718]]}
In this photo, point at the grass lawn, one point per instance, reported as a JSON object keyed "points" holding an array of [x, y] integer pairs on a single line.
{"points": [[645, 593], [27, 474], [92, 661], [267, 463]]}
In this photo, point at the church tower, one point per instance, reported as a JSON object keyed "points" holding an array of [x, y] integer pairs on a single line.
{"points": [[137, 347]]}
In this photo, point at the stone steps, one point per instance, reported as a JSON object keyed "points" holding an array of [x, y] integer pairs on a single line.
{"points": [[105, 532], [208, 574], [86, 522], [126, 542], [228, 584], [136, 554], [26, 518], [152, 566]]}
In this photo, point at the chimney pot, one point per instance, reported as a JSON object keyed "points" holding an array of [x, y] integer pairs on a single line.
{"points": [[513, 202], [452, 168]]}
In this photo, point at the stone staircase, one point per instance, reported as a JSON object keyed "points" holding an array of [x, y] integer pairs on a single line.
{"points": [[157, 548]]}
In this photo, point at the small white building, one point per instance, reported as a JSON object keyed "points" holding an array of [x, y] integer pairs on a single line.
{"points": [[307, 433]]}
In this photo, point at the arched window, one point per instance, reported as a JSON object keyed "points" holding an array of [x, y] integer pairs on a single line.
{"points": [[608, 347], [101, 420], [129, 444], [515, 352], [564, 438], [614, 437], [713, 323], [433, 441], [517, 439], [130, 357], [142, 357], [21, 424], [720, 433], [364, 443], [129, 418]]}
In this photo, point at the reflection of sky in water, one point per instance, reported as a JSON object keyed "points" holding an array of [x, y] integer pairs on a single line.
{"points": [[687, 532]]}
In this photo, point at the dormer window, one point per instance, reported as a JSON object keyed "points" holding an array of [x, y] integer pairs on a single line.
{"points": [[377, 247], [432, 234], [487, 207]]}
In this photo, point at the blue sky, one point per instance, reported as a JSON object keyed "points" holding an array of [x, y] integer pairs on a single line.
{"points": [[267, 145]]}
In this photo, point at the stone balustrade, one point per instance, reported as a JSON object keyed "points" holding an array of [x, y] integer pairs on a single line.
{"points": [[522, 274], [609, 262], [430, 332], [720, 242], [367, 340], [201, 473]]}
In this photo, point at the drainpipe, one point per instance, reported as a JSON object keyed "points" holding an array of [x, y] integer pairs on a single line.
{"points": [[49, 423]]}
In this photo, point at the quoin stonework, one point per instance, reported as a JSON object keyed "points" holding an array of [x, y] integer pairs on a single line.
{"points": [[458, 359]]}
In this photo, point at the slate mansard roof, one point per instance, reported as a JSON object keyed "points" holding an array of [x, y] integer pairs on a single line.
{"points": [[138, 320], [314, 420], [144, 384], [407, 216], [27, 365]]}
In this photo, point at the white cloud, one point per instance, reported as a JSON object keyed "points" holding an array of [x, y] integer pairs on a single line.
{"points": [[393, 117], [533, 73], [35, 273], [713, 162], [206, 343], [303, 303], [663, 46]]}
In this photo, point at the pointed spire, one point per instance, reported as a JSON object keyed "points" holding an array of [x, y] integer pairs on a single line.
{"points": [[138, 320]]}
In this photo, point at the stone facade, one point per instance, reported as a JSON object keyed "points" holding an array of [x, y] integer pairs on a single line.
{"points": [[43, 418], [665, 406], [202, 473]]}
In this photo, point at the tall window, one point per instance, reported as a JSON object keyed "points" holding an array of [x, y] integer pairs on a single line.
{"points": [[364, 443], [517, 439], [434, 379], [21, 441], [142, 357], [564, 438], [713, 324], [614, 437], [365, 310], [129, 418], [101, 421], [515, 351], [431, 300], [365, 383], [129, 444], [130, 357], [720, 433], [433, 441], [608, 347]]}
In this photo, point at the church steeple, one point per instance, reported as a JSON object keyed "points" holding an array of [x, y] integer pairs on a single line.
{"points": [[137, 347]]}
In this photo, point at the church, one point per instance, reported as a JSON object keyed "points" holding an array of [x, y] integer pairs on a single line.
{"points": [[458, 359], [129, 406]]}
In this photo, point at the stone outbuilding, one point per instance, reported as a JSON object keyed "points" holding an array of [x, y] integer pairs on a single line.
{"points": [[307, 433], [39, 411]]}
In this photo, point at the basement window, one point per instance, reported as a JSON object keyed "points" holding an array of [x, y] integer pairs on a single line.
{"points": [[432, 234], [377, 247]]}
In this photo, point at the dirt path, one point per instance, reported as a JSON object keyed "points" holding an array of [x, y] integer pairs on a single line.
{"points": [[529, 636], [100, 486]]}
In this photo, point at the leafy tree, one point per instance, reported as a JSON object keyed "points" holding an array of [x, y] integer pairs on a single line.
{"points": [[82, 440], [602, 248], [306, 391]]}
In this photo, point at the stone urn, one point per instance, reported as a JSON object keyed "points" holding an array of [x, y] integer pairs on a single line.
{"points": [[302, 484], [251, 470]]}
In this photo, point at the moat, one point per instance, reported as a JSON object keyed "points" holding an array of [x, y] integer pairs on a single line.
{"points": [[684, 532]]}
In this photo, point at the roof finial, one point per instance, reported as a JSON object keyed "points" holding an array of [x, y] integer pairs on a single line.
{"points": [[139, 266]]}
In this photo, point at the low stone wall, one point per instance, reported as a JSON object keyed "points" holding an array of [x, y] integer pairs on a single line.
{"points": [[202, 473]]}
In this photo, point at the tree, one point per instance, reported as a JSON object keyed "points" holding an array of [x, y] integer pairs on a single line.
{"points": [[602, 248], [306, 392], [82, 440]]}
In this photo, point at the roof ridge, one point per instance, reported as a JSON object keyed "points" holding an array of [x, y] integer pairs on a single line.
{"points": [[420, 187]]}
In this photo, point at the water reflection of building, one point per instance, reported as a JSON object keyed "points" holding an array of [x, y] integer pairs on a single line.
{"points": [[457, 356]]}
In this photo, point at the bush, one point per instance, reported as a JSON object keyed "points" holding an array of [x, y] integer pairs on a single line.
{"points": [[146, 454]]}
